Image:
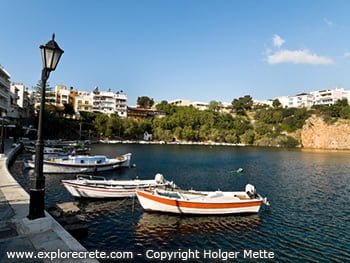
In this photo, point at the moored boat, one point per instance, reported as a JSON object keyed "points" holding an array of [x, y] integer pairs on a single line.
{"points": [[203, 203], [99, 187], [83, 163]]}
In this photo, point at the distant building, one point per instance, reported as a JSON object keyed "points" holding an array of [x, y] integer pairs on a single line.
{"points": [[320, 97], [223, 107], [200, 105], [83, 102], [144, 113], [121, 103], [4, 90], [64, 95], [329, 96], [23, 101], [147, 136], [262, 102], [14, 109], [109, 102], [298, 101], [180, 102]]}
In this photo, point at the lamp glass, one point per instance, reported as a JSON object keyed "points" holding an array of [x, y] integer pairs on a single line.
{"points": [[51, 54]]}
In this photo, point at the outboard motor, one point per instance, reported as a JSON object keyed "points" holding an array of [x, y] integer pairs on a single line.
{"points": [[250, 190], [159, 178]]}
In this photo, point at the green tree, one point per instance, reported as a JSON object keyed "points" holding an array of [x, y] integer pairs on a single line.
{"points": [[276, 103], [100, 123], [242, 104], [145, 102], [345, 112], [68, 109], [166, 107], [215, 105], [248, 137]]}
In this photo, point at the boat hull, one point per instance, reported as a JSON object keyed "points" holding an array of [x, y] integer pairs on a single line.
{"points": [[71, 168], [99, 187], [151, 202], [83, 191]]}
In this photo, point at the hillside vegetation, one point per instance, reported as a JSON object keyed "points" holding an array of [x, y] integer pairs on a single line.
{"points": [[243, 123], [262, 125]]}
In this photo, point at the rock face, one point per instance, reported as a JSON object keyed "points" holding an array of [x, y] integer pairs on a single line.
{"points": [[317, 134]]}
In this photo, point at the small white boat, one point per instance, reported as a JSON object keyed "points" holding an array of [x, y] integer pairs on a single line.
{"points": [[83, 163], [203, 203], [47, 150], [99, 187]]}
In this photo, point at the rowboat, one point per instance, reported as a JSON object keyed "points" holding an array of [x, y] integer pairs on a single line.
{"points": [[83, 163], [99, 187], [203, 203]]}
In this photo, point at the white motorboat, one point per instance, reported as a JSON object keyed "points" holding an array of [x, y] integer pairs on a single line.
{"points": [[99, 187], [204, 203], [83, 163]]}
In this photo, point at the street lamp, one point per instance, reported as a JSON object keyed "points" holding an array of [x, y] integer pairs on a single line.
{"points": [[2, 142], [51, 54]]}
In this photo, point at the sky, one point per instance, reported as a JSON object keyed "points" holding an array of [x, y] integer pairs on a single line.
{"points": [[193, 49]]}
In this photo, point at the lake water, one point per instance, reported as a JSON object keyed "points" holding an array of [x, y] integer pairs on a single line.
{"points": [[309, 192]]}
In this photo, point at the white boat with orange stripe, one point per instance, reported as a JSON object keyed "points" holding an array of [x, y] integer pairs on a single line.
{"points": [[203, 203]]}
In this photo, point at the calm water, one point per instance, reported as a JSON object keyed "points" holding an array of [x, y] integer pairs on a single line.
{"points": [[309, 192]]}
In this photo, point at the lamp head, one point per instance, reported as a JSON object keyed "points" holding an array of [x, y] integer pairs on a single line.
{"points": [[51, 54]]}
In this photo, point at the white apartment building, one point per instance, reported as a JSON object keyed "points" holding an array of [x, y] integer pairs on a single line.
{"points": [[4, 90], [180, 102], [298, 101], [23, 100], [121, 105], [109, 102], [224, 106], [329, 96], [200, 105], [262, 102], [321, 97]]}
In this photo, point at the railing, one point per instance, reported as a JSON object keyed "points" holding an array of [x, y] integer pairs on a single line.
{"points": [[5, 83], [3, 105]]}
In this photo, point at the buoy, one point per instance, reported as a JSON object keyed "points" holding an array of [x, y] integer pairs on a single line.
{"points": [[239, 170], [133, 165]]}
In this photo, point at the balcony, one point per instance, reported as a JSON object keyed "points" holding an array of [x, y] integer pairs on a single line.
{"points": [[4, 93], [5, 83], [3, 105]]}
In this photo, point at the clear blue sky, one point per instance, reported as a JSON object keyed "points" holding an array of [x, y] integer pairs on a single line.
{"points": [[195, 49]]}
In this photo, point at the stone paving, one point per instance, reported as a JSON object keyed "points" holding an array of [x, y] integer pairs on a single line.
{"points": [[15, 228]]}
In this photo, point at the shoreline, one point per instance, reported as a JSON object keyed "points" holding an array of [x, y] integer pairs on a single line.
{"points": [[172, 143], [217, 144]]}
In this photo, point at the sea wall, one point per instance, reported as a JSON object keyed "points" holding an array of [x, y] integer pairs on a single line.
{"points": [[318, 134]]}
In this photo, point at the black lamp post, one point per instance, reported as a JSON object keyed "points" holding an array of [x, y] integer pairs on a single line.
{"points": [[51, 54], [2, 142]]}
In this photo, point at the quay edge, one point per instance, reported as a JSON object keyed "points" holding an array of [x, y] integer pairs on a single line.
{"points": [[43, 234]]}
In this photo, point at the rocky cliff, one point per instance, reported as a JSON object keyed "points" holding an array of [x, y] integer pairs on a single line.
{"points": [[318, 134]]}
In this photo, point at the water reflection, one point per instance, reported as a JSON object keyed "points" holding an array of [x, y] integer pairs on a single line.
{"points": [[88, 206], [164, 226]]}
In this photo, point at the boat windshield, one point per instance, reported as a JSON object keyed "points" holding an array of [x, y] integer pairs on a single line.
{"points": [[89, 160]]}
